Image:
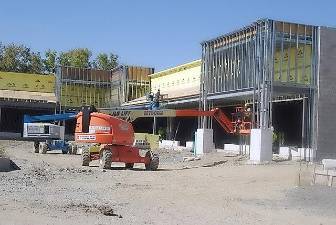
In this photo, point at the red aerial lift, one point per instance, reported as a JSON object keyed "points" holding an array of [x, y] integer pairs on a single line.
{"points": [[115, 136]]}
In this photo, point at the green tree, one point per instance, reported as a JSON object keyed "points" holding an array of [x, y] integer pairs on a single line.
{"points": [[19, 58], [36, 63], [1, 51], [50, 60], [104, 61], [63, 59], [79, 57], [15, 58]]}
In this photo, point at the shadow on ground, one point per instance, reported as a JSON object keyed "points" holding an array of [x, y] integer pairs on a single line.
{"points": [[7, 165]]}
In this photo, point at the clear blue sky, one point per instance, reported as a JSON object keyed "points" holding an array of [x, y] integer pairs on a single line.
{"points": [[153, 33]]}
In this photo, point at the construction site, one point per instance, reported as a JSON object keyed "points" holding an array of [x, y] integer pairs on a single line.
{"points": [[241, 135]]}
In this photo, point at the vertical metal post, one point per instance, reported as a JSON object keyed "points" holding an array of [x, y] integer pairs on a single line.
{"points": [[273, 41], [289, 52], [303, 145], [221, 71], [258, 73], [154, 124], [296, 53], [303, 73], [246, 62], [201, 87], [230, 58], [215, 67], [253, 69], [0, 117], [226, 66], [282, 50]]}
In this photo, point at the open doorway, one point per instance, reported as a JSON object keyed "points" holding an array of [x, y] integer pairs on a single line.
{"points": [[287, 124]]}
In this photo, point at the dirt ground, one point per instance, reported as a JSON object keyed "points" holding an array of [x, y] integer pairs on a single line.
{"points": [[55, 189]]}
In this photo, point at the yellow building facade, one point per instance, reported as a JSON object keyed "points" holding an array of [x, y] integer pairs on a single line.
{"points": [[179, 81], [27, 86]]}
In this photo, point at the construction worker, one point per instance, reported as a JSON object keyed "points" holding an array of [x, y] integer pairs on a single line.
{"points": [[157, 99]]}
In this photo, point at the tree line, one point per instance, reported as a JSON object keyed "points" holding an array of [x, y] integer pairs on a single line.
{"points": [[20, 58]]}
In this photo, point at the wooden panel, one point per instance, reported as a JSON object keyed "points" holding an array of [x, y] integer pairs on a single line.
{"points": [[293, 28]]}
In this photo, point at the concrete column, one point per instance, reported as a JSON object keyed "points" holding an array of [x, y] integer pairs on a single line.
{"points": [[261, 145], [204, 141]]}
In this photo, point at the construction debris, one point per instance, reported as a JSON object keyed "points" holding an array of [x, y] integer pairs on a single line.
{"points": [[215, 163], [103, 209], [279, 158], [192, 158]]}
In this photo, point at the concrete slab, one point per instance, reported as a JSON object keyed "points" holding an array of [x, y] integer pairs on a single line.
{"points": [[294, 153], [329, 164], [236, 149], [190, 144], [168, 144]]}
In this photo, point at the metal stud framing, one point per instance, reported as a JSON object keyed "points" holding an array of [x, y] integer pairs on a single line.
{"points": [[258, 58], [82, 86]]}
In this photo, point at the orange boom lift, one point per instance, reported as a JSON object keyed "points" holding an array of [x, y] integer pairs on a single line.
{"points": [[115, 136]]}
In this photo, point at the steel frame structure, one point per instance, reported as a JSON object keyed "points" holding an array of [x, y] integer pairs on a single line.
{"points": [[120, 85], [134, 82], [87, 84], [263, 62]]}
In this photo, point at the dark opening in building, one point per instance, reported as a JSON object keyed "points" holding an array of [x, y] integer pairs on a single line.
{"points": [[287, 123]]}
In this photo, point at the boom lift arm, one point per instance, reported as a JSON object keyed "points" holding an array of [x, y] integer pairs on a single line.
{"points": [[238, 124], [51, 117]]}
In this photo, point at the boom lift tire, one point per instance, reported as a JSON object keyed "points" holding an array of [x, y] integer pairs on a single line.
{"points": [[36, 146], [66, 150], [73, 149], [85, 156], [70, 150], [43, 148], [154, 161], [106, 159]]}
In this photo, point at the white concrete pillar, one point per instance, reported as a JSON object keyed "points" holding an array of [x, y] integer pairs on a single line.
{"points": [[204, 141], [261, 145]]}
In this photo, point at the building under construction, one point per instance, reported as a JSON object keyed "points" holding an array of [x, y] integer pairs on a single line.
{"points": [[284, 72]]}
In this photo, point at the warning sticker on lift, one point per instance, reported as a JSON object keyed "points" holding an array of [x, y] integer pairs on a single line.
{"points": [[93, 129], [85, 137]]}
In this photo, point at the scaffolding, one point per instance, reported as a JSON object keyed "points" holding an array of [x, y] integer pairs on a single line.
{"points": [[258, 64]]}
